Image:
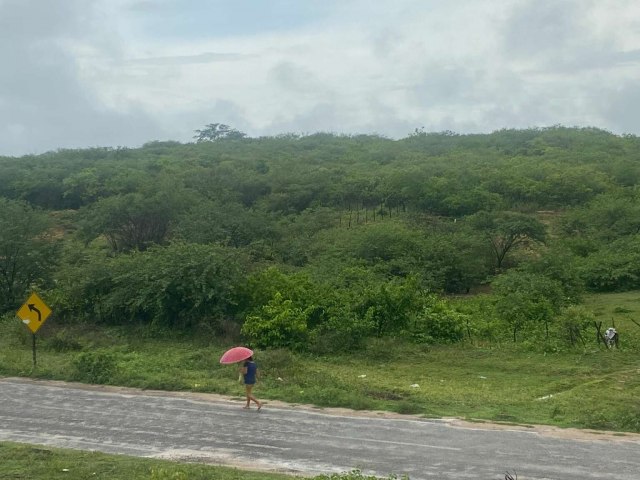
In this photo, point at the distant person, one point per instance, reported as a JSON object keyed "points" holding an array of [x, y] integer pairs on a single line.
{"points": [[249, 372]]}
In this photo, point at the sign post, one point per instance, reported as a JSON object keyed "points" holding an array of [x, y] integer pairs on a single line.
{"points": [[33, 314]]}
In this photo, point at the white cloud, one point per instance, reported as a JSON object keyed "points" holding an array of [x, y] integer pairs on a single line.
{"points": [[45, 102], [122, 72]]}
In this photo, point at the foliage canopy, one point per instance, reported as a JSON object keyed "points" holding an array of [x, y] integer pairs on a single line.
{"points": [[322, 240]]}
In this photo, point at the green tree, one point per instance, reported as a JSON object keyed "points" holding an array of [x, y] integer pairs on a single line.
{"points": [[614, 267], [179, 285], [557, 263], [507, 230], [389, 306], [388, 248], [83, 282], [262, 286], [607, 217], [134, 221], [27, 251], [218, 131], [454, 261], [228, 223], [574, 323], [527, 299]]}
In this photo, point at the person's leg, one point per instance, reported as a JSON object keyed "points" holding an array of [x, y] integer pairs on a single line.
{"points": [[248, 389], [250, 397]]}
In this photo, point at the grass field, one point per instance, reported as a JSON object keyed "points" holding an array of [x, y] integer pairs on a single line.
{"points": [[43, 463], [617, 309], [29, 462], [588, 388]]}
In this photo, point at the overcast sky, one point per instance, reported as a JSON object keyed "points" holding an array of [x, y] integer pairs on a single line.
{"points": [[80, 73]]}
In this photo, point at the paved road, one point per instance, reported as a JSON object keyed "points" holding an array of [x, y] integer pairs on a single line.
{"points": [[196, 427]]}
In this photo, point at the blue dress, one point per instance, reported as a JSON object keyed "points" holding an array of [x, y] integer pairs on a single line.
{"points": [[250, 376]]}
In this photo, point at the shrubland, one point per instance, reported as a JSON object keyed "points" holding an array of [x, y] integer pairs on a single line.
{"points": [[485, 262]]}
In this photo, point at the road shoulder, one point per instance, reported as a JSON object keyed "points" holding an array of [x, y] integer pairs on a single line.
{"points": [[544, 430]]}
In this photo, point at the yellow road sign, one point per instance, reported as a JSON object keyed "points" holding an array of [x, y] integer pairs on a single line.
{"points": [[34, 312]]}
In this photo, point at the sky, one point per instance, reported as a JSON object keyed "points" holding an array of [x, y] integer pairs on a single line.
{"points": [[109, 73]]}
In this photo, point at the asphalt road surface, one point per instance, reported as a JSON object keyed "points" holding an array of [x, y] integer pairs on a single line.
{"points": [[301, 440]]}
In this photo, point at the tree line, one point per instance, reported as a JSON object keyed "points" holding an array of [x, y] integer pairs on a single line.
{"points": [[322, 241]]}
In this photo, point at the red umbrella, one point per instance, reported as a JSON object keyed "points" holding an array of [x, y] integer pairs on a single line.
{"points": [[235, 354]]}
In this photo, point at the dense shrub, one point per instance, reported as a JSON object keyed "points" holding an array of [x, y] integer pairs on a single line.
{"points": [[437, 322], [524, 298], [343, 331], [278, 324], [615, 267], [574, 324], [175, 286], [95, 366]]}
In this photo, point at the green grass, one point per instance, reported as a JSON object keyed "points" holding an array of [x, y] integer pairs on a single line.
{"points": [[587, 388], [21, 461], [619, 310]]}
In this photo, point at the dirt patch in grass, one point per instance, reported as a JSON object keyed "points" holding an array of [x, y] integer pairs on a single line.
{"points": [[382, 395]]}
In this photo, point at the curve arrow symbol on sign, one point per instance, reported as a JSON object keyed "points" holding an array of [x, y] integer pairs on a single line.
{"points": [[33, 308]]}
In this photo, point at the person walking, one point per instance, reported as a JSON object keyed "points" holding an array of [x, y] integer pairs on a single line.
{"points": [[249, 372]]}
